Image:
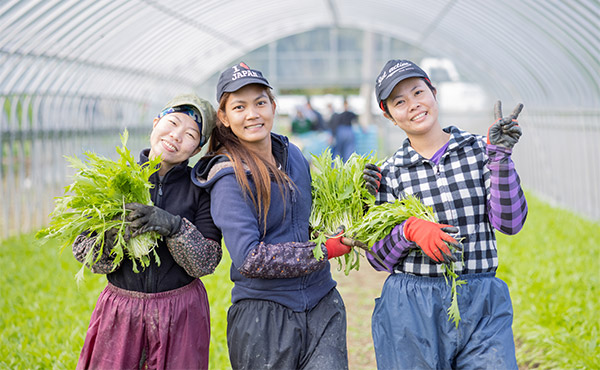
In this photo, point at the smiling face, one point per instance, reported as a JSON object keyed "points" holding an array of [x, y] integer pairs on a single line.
{"points": [[175, 137], [412, 107], [249, 113]]}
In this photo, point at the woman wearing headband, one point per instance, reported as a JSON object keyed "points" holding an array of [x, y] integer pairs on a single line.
{"points": [[159, 318]]}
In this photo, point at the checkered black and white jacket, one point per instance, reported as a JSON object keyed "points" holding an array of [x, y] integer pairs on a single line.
{"points": [[474, 187]]}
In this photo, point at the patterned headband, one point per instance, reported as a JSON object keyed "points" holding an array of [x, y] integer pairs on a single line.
{"points": [[183, 109]]}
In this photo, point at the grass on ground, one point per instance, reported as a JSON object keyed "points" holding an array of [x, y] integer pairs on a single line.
{"points": [[552, 268]]}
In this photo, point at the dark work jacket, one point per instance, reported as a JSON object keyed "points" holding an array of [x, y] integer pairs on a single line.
{"points": [[179, 196], [287, 225]]}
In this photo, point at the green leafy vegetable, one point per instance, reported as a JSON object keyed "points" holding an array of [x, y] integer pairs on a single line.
{"points": [[379, 221], [95, 202], [340, 198]]}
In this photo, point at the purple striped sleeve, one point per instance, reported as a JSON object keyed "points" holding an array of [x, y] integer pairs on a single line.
{"points": [[390, 249], [507, 205]]}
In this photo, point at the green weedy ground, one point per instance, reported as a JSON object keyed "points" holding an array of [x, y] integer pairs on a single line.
{"points": [[552, 268], [44, 314]]}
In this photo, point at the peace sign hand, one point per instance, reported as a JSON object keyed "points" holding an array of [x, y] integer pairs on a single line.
{"points": [[505, 131]]}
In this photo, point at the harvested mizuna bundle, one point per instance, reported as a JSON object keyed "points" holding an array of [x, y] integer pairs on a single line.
{"points": [[95, 203], [341, 199], [338, 199], [379, 221]]}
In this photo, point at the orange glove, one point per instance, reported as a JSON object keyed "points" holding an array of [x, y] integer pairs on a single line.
{"points": [[431, 237], [335, 247]]}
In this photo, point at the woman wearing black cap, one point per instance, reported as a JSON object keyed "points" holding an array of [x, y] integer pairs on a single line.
{"points": [[286, 312], [159, 317], [473, 188]]}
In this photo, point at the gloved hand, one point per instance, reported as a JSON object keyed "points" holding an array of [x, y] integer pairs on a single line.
{"points": [[372, 177], [430, 237], [145, 219], [505, 131], [334, 245], [110, 236]]}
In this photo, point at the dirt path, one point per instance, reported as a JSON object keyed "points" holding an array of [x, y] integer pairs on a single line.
{"points": [[359, 290]]}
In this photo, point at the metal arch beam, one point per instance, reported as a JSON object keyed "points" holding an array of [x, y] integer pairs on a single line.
{"points": [[101, 67], [568, 29], [441, 14], [169, 12], [333, 10], [542, 72]]}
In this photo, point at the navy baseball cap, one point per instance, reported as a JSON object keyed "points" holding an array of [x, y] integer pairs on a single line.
{"points": [[238, 76], [393, 72]]}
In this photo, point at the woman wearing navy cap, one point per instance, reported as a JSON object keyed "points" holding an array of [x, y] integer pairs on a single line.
{"points": [[159, 318], [286, 312], [472, 185]]}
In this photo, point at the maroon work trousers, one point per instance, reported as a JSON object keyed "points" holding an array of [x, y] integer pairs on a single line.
{"points": [[133, 330]]}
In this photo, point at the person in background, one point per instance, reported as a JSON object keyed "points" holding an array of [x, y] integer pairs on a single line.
{"points": [[300, 123], [316, 118], [341, 126], [471, 183], [159, 318], [286, 312]]}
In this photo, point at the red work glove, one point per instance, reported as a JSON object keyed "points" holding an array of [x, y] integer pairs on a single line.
{"points": [[431, 238], [335, 247]]}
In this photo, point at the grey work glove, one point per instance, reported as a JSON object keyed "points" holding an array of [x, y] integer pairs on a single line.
{"points": [[505, 131], [145, 219], [110, 237], [372, 177]]}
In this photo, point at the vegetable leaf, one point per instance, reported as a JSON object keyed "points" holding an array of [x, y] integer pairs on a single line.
{"points": [[340, 198], [95, 203]]}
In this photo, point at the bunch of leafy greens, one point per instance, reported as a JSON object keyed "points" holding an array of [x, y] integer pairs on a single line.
{"points": [[95, 203], [340, 198], [379, 221]]}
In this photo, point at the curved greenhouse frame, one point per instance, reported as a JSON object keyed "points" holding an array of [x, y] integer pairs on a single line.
{"points": [[72, 71]]}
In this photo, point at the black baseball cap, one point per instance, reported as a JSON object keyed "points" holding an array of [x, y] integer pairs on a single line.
{"points": [[238, 76], [393, 72]]}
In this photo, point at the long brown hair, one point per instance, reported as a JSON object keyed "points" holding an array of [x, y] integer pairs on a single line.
{"points": [[262, 172]]}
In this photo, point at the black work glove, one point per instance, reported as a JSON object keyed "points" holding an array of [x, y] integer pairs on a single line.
{"points": [[150, 218], [372, 177], [110, 236], [505, 131]]}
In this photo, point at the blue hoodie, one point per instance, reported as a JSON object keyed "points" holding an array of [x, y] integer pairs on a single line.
{"points": [[278, 266]]}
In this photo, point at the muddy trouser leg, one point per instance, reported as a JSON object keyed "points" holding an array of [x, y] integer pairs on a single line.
{"points": [[487, 343], [327, 334], [115, 336], [162, 330], [266, 335], [411, 328]]}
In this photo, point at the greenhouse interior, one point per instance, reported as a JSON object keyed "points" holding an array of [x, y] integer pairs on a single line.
{"points": [[74, 74], [77, 76]]}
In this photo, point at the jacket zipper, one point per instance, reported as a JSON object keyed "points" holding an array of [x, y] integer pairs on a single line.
{"points": [[150, 280]]}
